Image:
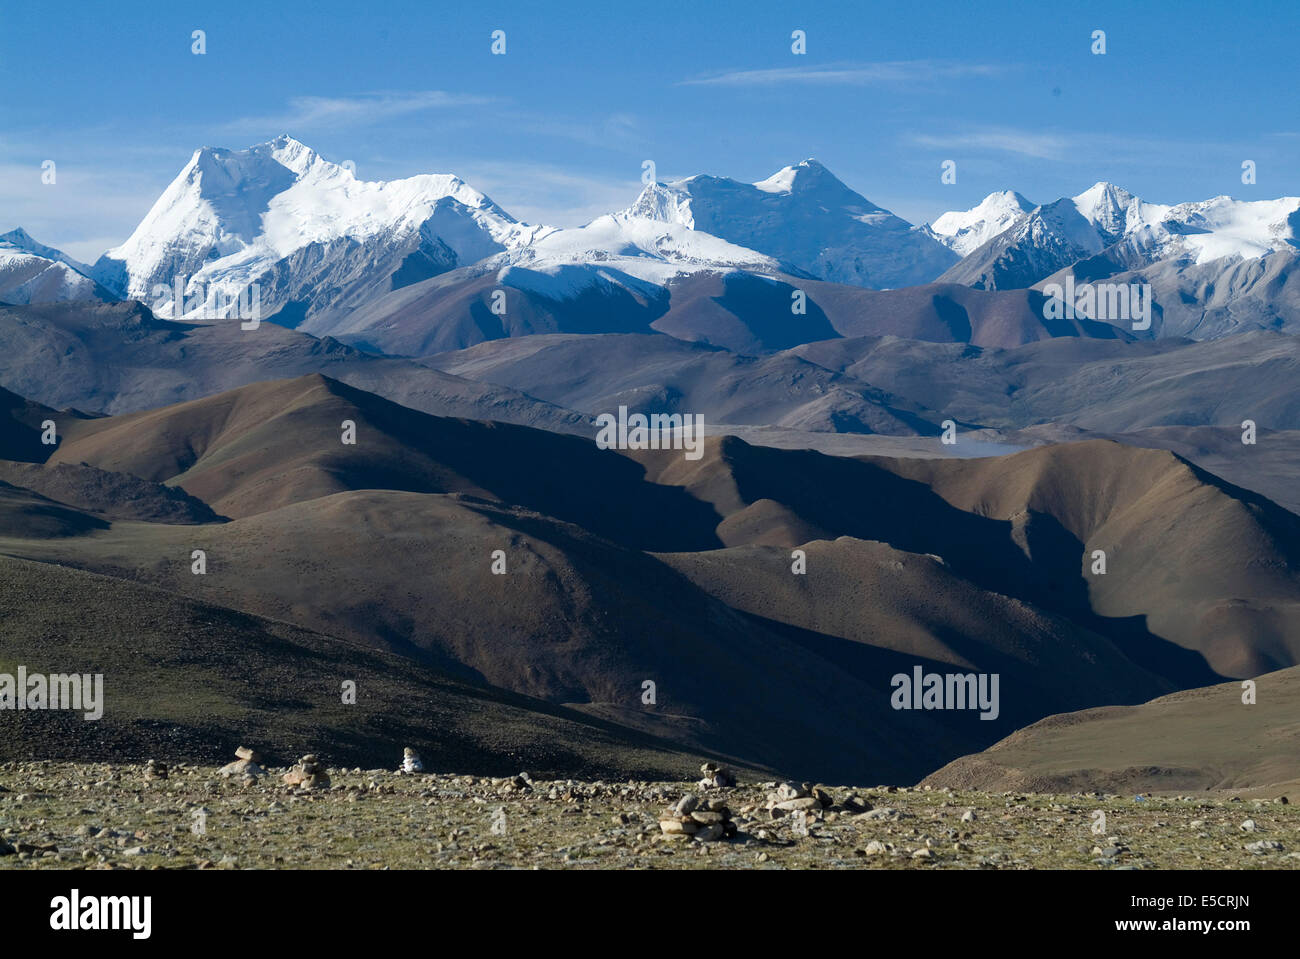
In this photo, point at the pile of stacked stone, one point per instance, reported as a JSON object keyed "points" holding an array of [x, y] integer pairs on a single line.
{"points": [[411, 762], [716, 776], [696, 817], [155, 770], [810, 800], [522, 783], [247, 765], [308, 774]]}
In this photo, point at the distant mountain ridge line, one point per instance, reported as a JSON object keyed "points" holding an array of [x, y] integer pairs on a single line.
{"points": [[323, 245]]}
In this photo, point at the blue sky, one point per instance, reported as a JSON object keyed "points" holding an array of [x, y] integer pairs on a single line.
{"points": [[556, 130]]}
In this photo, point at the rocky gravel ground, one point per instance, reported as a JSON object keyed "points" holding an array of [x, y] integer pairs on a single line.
{"points": [[136, 816]]}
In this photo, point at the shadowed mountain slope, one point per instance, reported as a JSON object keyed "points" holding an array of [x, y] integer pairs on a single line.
{"points": [[277, 443], [521, 559], [574, 620], [186, 679], [1193, 562], [878, 611], [1209, 565]]}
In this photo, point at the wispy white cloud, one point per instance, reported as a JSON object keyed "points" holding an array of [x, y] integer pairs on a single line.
{"points": [[1028, 143], [542, 193], [313, 112], [84, 212], [617, 131], [851, 74]]}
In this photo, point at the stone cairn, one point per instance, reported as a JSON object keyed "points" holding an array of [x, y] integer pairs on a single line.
{"points": [[308, 774], [696, 817], [716, 776], [411, 762], [797, 797], [247, 765], [809, 802], [155, 770]]}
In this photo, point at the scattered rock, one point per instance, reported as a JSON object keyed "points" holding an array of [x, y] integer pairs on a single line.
{"points": [[790, 805], [1263, 846], [822, 796], [853, 803]]}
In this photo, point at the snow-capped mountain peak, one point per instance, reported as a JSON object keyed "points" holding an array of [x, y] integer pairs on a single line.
{"points": [[232, 218], [651, 249], [806, 218], [1114, 211], [964, 231], [21, 241], [809, 176], [31, 272], [1223, 227]]}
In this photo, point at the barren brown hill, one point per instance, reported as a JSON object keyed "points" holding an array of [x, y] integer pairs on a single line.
{"points": [[574, 620], [897, 610], [454, 310], [184, 679], [983, 565], [1096, 384], [1208, 565], [29, 515], [269, 445], [113, 358], [663, 374], [1269, 467], [107, 494], [1201, 739], [1201, 576], [950, 313], [731, 309]]}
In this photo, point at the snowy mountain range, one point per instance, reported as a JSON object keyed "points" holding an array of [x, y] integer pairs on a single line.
{"points": [[1215, 266], [1108, 219], [806, 218], [329, 252], [31, 272]]}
